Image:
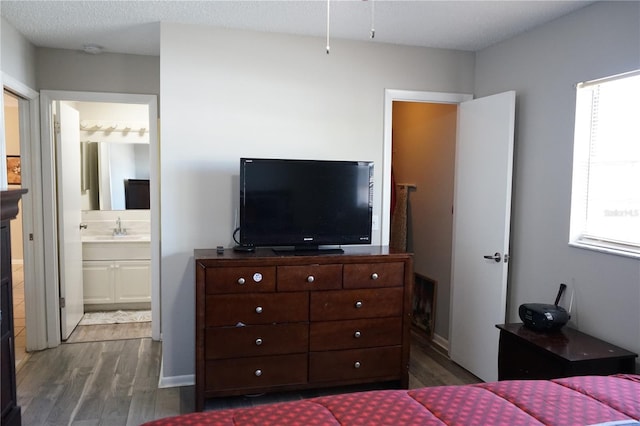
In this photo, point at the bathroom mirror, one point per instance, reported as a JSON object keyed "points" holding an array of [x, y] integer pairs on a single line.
{"points": [[114, 175], [114, 147]]}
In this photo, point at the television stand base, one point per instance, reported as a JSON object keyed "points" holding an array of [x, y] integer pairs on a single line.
{"points": [[306, 251], [244, 248]]}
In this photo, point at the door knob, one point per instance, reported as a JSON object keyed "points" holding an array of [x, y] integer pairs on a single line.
{"points": [[495, 257]]}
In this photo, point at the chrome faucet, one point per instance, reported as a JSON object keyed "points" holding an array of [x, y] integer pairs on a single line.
{"points": [[119, 230]]}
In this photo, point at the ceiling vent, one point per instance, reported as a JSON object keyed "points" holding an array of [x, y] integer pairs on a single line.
{"points": [[92, 49]]}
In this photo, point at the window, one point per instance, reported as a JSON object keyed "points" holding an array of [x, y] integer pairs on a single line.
{"points": [[605, 208]]}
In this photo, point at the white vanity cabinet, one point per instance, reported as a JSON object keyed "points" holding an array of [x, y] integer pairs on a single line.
{"points": [[97, 277], [116, 272]]}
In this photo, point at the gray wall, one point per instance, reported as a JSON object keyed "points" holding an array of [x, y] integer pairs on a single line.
{"points": [[543, 67], [60, 69], [17, 55], [228, 94]]}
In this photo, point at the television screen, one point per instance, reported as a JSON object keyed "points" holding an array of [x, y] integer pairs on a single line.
{"points": [[305, 203]]}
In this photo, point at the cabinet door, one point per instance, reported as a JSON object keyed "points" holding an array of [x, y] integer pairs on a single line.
{"points": [[132, 281], [97, 278]]}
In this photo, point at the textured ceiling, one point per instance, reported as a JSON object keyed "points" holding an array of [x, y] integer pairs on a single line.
{"points": [[133, 26]]}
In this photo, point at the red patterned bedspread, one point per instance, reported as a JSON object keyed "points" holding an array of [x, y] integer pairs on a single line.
{"points": [[587, 400]]}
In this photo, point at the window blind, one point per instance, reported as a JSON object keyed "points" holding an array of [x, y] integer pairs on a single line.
{"points": [[612, 189]]}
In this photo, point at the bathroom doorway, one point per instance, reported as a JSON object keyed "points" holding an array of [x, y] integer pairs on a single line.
{"points": [[115, 294], [102, 135]]}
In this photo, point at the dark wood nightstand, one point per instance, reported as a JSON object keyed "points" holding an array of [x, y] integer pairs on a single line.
{"points": [[529, 354]]}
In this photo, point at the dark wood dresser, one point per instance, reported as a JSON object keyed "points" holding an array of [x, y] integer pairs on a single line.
{"points": [[267, 322], [8, 400], [529, 354]]}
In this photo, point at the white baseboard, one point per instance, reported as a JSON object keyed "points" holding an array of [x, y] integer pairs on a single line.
{"points": [[441, 341], [177, 381], [174, 381]]}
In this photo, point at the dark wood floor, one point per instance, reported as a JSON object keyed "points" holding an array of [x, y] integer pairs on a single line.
{"points": [[115, 383]]}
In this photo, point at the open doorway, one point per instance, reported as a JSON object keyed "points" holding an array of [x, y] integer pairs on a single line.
{"points": [[481, 223], [420, 141], [31, 211], [14, 181], [104, 148], [423, 166], [101, 209]]}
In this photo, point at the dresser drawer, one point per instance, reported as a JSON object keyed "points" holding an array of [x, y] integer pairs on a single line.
{"points": [[256, 340], [355, 364], [354, 304], [364, 333], [259, 308], [309, 277], [240, 279], [373, 275], [256, 372]]}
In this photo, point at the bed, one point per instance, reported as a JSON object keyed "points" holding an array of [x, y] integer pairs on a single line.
{"points": [[580, 400]]}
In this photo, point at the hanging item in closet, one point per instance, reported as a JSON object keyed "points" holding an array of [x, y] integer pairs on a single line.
{"points": [[399, 219]]}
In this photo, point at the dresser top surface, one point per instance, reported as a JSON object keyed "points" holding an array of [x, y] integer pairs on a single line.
{"points": [[567, 343], [269, 254]]}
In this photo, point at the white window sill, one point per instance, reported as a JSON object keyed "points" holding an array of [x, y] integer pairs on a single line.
{"points": [[605, 249]]}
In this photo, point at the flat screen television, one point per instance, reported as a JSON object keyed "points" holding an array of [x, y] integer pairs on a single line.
{"points": [[302, 205]]}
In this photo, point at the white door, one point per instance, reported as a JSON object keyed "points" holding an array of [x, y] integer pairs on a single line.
{"points": [[69, 208], [482, 215]]}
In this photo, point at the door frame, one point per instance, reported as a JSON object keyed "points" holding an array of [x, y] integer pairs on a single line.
{"points": [[391, 95], [32, 211], [50, 197]]}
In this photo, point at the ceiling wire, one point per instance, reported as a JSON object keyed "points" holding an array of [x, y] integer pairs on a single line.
{"points": [[373, 18], [372, 32]]}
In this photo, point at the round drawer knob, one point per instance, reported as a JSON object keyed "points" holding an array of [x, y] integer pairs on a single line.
{"points": [[259, 310], [311, 279], [357, 334], [359, 304], [356, 364], [241, 281], [374, 276], [258, 341], [258, 373]]}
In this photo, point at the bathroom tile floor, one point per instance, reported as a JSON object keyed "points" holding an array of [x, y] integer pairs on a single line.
{"points": [[19, 328]]}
